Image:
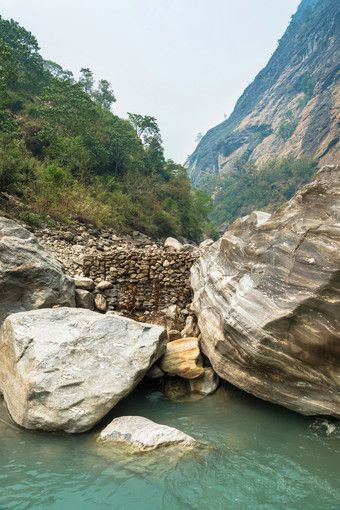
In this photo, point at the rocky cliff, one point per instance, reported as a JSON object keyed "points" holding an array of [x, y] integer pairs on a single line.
{"points": [[292, 107], [267, 298]]}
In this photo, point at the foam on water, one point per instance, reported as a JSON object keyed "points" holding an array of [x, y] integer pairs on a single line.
{"points": [[323, 427]]}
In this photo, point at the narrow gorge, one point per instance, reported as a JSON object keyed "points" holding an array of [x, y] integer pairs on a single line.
{"points": [[169, 335]]}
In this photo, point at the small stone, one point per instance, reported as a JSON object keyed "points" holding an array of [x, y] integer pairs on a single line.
{"points": [[171, 312], [104, 285], [172, 244], [190, 328], [68, 236], [175, 388], [84, 283], [174, 334], [100, 303]]}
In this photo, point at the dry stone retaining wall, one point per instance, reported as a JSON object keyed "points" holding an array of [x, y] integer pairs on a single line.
{"points": [[146, 282]]}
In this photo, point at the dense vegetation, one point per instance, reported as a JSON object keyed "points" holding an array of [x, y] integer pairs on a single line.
{"points": [[63, 151], [248, 188]]}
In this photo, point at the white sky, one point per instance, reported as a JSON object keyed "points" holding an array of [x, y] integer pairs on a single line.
{"points": [[185, 62]]}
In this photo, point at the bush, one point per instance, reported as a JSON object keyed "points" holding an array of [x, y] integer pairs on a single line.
{"points": [[248, 188], [286, 129], [16, 166], [166, 225]]}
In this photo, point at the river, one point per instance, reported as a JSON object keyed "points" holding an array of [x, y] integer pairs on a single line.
{"points": [[260, 456]]}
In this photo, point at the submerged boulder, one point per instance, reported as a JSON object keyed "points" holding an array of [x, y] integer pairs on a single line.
{"points": [[29, 277], [267, 298], [63, 369], [144, 434]]}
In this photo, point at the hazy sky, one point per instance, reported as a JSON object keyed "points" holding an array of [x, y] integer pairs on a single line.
{"points": [[185, 62]]}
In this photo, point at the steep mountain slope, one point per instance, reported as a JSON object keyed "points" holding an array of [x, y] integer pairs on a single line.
{"points": [[292, 108]]}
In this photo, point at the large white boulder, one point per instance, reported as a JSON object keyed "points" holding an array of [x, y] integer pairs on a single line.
{"points": [[63, 369], [30, 278]]}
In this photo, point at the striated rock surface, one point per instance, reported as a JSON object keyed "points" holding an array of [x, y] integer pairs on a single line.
{"points": [[29, 277], [144, 434], [267, 297], [63, 369], [183, 358]]}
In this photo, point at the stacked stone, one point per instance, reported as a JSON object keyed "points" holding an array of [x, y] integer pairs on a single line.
{"points": [[142, 280], [69, 245]]}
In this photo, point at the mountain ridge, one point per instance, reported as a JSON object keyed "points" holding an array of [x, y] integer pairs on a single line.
{"points": [[308, 51]]}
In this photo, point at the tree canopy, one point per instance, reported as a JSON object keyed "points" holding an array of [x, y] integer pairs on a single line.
{"points": [[69, 157]]}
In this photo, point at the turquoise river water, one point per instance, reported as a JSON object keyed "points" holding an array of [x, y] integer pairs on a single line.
{"points": [[260, 456]]}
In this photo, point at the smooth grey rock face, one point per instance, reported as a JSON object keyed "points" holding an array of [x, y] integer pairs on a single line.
{"points": [[84, 299], [172, 243], [207, 384], [155, 372], [29, 277], [144, 434], [267, 297], [64, 369]]}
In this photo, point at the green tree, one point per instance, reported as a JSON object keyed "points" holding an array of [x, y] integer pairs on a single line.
{"points": [[57, 71], [86, 80], [104, 95], [287, 126], [16, 165], [7, 73], [146, 128], [123, 147], [25, 55], [66, 108]]}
